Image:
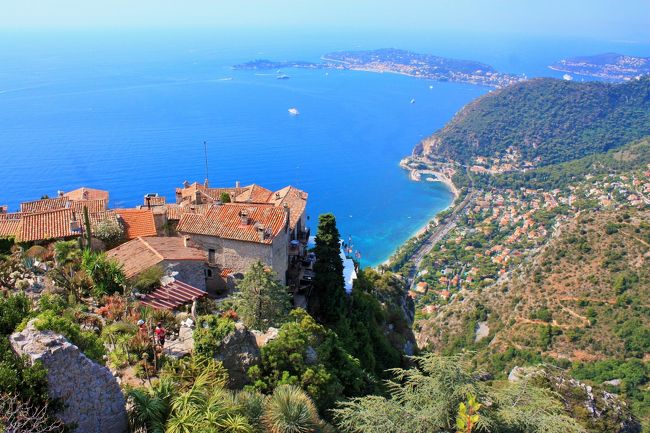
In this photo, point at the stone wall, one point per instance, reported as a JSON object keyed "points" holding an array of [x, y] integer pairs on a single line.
{"points": [[90, 394], [190, 272], [240, 255]]}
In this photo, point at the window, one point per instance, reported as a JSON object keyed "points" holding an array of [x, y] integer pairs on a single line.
{"points": [[211, 256], [208, 273]]}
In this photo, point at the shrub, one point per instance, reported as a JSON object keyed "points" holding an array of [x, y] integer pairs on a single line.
{"points": [[149, 279], [87, 341], [209, 332], [109, 231]]}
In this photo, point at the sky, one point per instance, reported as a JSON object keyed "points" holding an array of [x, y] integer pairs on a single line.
{"points": [[621, 20], [617, 20]]}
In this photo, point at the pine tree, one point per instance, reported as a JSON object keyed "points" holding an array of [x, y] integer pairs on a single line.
{"points": [[262, 301], [329, 285]]}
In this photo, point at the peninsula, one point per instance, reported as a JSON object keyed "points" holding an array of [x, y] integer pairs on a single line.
{"points": [[610, 66], [396, 61]]}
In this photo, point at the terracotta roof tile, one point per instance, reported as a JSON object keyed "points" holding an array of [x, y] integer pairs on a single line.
{"points": [[254, 194], [87, 194], [294, 198], [9, 227], [174, 211], [211, 194], [40, 226], [45, 204], [137, 222], [226, 221], [140, 254], [93, 206]]}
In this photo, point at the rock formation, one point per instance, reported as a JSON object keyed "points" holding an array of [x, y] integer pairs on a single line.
{"points": [[91, 396]]}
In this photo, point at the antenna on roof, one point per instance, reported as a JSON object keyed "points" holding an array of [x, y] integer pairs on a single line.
{"points": [[205, 148]]}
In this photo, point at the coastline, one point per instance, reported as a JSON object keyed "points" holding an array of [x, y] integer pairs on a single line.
{"points": [[415, 175]]}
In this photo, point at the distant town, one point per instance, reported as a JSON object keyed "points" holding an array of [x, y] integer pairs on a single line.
{"points": [[396, 61], [610, 66]]}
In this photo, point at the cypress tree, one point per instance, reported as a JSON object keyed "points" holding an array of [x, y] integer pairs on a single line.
{"points": [[329, 285]]}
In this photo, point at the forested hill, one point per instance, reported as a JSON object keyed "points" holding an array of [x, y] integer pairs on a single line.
{"points": [[546, 120]]}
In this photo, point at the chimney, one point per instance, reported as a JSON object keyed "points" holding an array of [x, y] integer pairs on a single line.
{"points": [[186, 184], [261, 232], [237, 185], [243, 215], [206, 183], [186, 240], [287, 214], [147, 199], [60, 193], [197, 197]]}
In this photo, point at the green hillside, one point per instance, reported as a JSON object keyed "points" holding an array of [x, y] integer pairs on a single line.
{"points": [[549, 119]]}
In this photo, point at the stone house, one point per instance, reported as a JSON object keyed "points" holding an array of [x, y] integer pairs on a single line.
{"points": [[178, 257], [236, 235]]}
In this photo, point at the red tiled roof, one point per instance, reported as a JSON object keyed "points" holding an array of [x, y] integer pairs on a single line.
{"points": [[140, 254], [47, 225], [225, 221], [9, 227], [294, 198], [45, 204], [174, 211], [137, 222], [225, 272], [212, 194], [84, 193], [10, 215], [93, 206], [172, 296], [254, 194]]}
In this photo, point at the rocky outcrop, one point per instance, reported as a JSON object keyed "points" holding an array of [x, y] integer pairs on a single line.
{"points": [[598, 409], [91, 396], [238, 352]]}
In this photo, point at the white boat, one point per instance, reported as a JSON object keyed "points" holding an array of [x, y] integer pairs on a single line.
{"points": [[293, 111], [567, 77], [413, 101], [430, 87]]}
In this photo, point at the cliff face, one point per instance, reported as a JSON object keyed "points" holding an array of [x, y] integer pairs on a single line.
{"points": [[91, 396]]}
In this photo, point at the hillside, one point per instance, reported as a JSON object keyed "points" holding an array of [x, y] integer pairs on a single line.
{"points": [[550, 266], [545, 121], [628, 157]]}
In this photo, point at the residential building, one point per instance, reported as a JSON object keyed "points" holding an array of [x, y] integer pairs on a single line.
{"points": [[236, 235], [179, 257]]}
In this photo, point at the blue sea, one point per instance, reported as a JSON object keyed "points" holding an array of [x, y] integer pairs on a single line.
{"points": [[129, 111]]}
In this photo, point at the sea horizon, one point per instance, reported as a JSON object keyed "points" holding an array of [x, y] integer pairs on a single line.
{"points": [[129, 112]]}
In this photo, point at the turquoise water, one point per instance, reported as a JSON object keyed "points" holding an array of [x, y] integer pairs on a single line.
{"points": [[129, 113]]}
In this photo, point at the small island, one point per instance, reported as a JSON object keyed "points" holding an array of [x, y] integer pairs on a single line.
{"points": [[396, 61], [610, 66]]}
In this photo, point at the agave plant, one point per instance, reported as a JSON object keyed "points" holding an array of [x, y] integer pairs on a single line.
{"points": [[290, 410], [147, 411], [207, 407]]}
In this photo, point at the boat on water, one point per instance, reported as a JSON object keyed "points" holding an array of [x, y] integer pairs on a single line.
{"points": [[293, 111], [413, 101], [282, 77]]}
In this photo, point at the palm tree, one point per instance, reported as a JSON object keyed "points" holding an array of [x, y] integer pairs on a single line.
{"points": [[290, 410]]}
